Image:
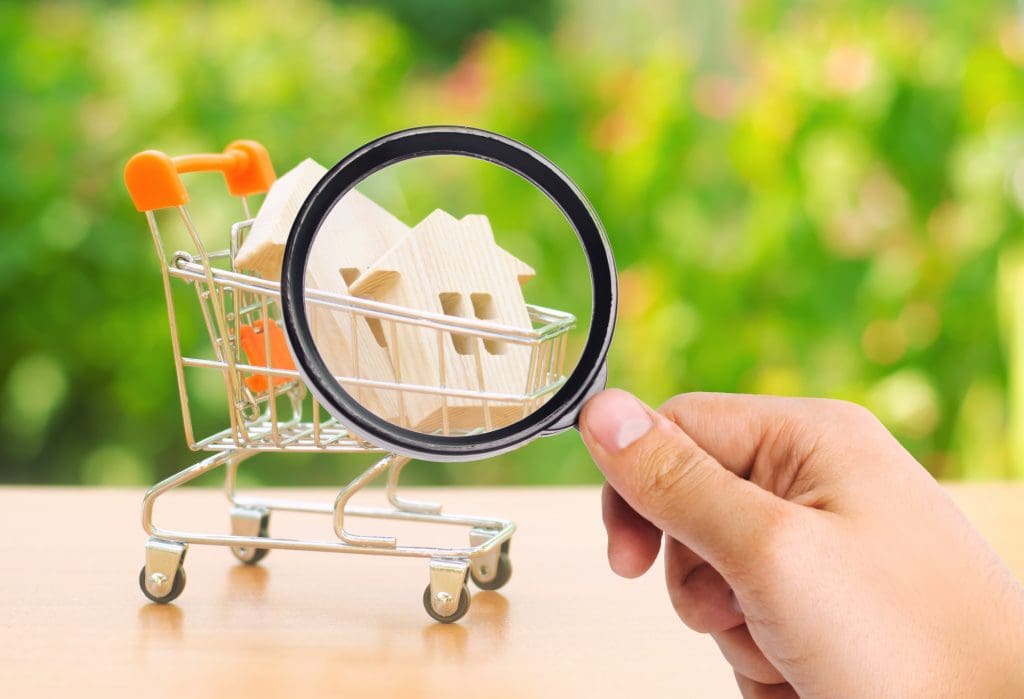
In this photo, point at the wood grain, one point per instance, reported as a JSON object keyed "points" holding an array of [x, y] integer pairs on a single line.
{"points": [[73, 622], [453, 266]]}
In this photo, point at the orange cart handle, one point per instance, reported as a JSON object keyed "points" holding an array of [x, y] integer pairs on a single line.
{"points": [[154, 182]]}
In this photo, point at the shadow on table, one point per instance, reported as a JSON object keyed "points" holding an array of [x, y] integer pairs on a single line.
{"points": [[247, 581], [164, 620], [484, 625]]}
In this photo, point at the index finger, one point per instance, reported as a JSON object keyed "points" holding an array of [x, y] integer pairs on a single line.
{"points": [[757, 437]]}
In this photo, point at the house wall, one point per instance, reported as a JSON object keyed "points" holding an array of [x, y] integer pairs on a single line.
{"points": [[453, 267]]}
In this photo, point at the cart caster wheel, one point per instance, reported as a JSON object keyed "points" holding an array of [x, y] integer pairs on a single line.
{"points": [[494, 569], [501, 576], [250, 556], [177, 586], [459, 611]]}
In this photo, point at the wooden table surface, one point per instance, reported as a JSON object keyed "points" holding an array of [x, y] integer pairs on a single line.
{"points": [[73, 621]]}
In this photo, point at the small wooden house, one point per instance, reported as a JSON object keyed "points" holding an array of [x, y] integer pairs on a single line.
{"points": [[453, 267], [355, 234], [443, 265]]}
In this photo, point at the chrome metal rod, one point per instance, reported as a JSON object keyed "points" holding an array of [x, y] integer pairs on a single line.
{"points": [[475, 394], [187, 269], [373, 545], [346, 494], [403, 504], [179, 478]]}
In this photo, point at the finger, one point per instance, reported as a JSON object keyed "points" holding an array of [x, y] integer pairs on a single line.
{"points": [[674, 484], [766, 438], [732, 428], [633, 542], [699, 594], [757, 690], [680, 560], [745, 657]]}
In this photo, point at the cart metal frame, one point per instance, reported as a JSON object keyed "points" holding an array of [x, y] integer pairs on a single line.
{"points": [[285, 418]]}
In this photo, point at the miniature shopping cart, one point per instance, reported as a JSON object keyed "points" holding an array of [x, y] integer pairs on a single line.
{"points": [[271, 410]]}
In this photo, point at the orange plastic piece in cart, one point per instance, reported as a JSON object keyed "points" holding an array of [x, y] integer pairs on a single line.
{"points": [[154, 178], [254, 344]]}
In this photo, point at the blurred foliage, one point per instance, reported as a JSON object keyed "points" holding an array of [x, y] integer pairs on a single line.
{"points": [[803, 198], [442, 27]]}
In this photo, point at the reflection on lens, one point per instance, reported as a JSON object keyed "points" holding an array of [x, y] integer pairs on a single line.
{"points": [[422, 318]]}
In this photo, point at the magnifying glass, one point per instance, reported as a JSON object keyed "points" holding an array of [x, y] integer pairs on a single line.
{"points": [[425, 287]]}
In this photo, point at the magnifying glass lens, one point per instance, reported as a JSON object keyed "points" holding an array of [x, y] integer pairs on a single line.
{"points": [[447, 295], [434, 289]]}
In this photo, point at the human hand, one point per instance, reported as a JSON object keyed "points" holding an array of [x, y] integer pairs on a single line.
{"points": [[820, 556]]}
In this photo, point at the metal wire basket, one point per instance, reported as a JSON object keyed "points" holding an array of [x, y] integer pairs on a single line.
{"points": [[270, 409]]}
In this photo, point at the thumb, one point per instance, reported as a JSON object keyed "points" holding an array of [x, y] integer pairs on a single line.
{"points": [[668, 479]]}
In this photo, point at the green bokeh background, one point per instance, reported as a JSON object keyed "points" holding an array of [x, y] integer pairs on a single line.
{"points": [[803, 198]]}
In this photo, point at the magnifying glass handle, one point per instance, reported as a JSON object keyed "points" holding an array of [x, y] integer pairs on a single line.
{"points": [[571, 418]]}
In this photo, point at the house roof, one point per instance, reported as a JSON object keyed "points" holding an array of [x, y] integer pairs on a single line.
{"points": [[264, 245], [356, 231], [470, 235]]}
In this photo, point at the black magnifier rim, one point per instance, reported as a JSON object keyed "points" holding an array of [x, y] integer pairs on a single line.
{"points": [[561, 410]]}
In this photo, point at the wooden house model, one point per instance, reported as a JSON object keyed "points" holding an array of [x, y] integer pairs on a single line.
{"points": [[443, 265], [453, 267], [355, 233]]}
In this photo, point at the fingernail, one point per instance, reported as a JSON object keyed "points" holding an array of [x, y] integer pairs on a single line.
{"points": [[616, 419]]}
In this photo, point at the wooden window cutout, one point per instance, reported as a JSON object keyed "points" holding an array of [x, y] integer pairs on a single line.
{"points": [[483, 308], [349, 274], [454, 304], [377, 328]]}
